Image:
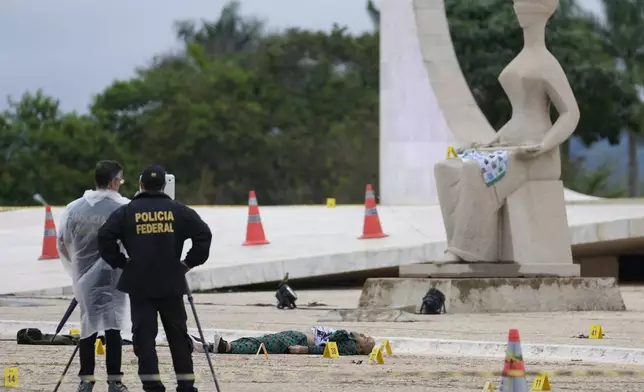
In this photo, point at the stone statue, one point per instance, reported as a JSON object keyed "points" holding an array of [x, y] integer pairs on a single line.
{"points": [[473, 189]]}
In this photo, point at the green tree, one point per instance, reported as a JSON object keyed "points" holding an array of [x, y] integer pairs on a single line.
{"points": [[203, 124], [231, 33], [374, 14], [623, 35], [294, 115], [43, 150], [579, 178], [324, 102]]}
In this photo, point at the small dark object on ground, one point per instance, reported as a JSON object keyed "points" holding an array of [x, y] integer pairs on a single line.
{"points": [[34, 337], [433, 302], [285, 295], [316, 304], [584, 336]]}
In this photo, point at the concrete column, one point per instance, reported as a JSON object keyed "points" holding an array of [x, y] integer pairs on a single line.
{"points": [[413, 132]]}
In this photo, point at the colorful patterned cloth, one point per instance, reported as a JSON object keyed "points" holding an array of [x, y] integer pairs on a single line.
{"points": [[322, 334], [493, 164]]}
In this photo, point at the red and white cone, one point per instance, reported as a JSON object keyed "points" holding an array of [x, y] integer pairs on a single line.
{"points": [[49, 251], [254, 229], [371, 227]]}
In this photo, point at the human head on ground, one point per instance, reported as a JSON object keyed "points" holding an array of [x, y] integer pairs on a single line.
{"points": [[364, 343], [153, 179], [108, 175]]}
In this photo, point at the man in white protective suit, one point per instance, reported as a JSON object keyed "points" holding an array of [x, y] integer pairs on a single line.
{"points": [[102, 306]]}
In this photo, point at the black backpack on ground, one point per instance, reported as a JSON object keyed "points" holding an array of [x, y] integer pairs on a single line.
{"points": [[34, 336], [433, 302]]}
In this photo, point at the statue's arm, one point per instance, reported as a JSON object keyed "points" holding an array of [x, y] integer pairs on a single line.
{"points": [[558, 89], [493, 141], [499, 134]]}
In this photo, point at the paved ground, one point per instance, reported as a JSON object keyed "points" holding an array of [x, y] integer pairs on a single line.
{"points": [[255, 311], [41, 366]]}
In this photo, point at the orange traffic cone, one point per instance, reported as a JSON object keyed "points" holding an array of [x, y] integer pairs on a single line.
{"points": [[371, 227], [49, 250], [513, 376], [254, 229]]}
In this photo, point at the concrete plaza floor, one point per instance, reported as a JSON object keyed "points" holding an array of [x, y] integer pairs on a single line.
{"points": [[41, 365], [256, 311]]}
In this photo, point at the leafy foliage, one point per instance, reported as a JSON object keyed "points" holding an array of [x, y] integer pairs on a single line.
{"points": [[622, 35], [579, 178], [293, 114]]}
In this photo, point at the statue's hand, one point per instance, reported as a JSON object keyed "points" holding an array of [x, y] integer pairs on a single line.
{"points": [[492, 143], [528, 152], [477, 145]]}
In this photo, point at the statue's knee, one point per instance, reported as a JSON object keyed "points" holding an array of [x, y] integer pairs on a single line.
{"points": [[448, 168], [471, 168]]}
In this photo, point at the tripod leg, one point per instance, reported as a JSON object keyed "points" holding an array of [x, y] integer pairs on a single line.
{"points": [[67, 366], [203, 339]]}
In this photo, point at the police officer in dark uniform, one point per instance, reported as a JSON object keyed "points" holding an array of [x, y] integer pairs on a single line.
{"points": [[153, 228]]}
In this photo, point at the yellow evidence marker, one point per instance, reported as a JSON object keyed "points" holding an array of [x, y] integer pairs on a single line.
{"points": [[451, 153], [330, 202], [488, 387], [331, 350], [376, 356], [541, 383], [385, 347], [11, 378], [596, 332], [74, 332], [262, 348], [100, 347]]}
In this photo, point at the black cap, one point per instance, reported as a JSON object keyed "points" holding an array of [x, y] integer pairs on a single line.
{"points": [[153, 178]]}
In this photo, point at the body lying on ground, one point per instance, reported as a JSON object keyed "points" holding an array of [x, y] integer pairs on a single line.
{"points": [[312, 341]]}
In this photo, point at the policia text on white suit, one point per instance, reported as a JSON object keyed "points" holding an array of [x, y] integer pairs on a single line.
{"points": [[153, 229]]}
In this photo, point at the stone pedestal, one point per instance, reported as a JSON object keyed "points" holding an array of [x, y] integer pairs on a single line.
{"points": [[488, 270], [497, 295]]}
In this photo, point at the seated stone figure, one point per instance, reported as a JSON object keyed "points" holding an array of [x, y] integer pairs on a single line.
{"points": [[473, 189]]}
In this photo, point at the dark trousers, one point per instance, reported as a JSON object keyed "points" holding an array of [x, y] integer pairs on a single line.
{"points": [[113, 346], [144, 330]]}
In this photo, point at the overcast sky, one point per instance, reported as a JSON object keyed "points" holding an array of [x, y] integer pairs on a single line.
{"points": [[73, 49]]}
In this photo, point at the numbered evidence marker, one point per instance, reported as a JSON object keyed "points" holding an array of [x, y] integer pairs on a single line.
{"points": [[376, 356], [262, 348], [541, 383], [331, 350], [488, 387], [11, 377], [385, 347], [330, 202], [596, 332], [74, 332], [100, 347], [451, 153]]}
